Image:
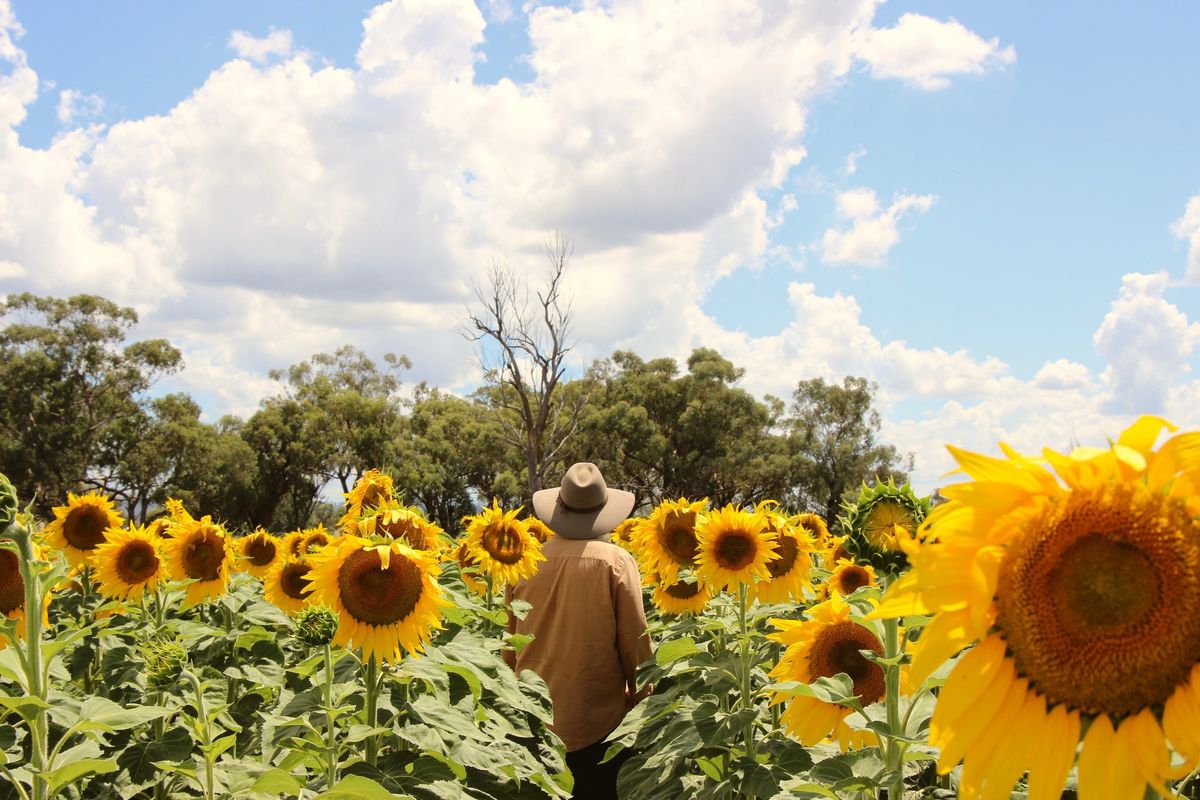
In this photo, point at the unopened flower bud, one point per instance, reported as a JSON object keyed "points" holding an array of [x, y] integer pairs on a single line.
{"points": [[165, 661], [316, 626]]}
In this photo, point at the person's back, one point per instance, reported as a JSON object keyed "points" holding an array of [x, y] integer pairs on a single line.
{"points": [[587, 622]]}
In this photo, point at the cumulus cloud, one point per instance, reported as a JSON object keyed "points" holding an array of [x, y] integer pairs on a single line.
{"points": [[74, 106], [925, 52], [873, 230], [276, 44], [1187, 228]]}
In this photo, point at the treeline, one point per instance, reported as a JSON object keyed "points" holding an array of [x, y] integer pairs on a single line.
{"points": [[77, 412]]}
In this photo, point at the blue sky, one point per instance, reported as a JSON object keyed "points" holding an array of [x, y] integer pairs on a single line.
{"points": [[1015, 233]]}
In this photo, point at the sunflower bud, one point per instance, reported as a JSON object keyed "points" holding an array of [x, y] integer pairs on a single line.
{"points": [[316, 626], [8, 502], [165, 661]]}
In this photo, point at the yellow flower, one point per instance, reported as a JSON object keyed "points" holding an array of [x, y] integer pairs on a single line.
{"points": [[12, 591], [160, 528], [257, 553], [1080, 585], [836, 552], [667, 540], [789, 569], [469, 570], [502, 546], [826, 644], [312, 540], [541, 531], [79, 526], [408, 524], [847, 578], [733, 548], [680, 597], [385, 595], [373, 490], [286, 585], [626, 534], [814, 525], [200, 552], [292, 544], [127, 563]]}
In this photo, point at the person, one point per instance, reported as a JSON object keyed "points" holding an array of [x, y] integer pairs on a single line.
{"points": [[587, 622]]}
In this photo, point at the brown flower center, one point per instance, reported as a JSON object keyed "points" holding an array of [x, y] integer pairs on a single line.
{"points": [[836, 649], [136, 562], [292, 580], [786, 553], [682, 590], [852, 578], [260, 551], [504, 544], [314, 542], [84, 527], [406, 529], [12, 585], [735, 549], [375, 595], [202, 555], [677, 537], [375, 496]]}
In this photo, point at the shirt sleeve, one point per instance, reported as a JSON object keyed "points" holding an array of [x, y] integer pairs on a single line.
{"points": [[633, 645]]}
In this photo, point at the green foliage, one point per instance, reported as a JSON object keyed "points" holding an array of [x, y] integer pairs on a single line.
{"points": [[8, 502]]}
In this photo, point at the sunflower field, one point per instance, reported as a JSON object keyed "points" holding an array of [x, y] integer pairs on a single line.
{"points": [[1033, 634]]}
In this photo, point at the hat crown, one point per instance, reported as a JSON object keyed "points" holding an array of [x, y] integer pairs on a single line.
{"points": [[583, 487]]}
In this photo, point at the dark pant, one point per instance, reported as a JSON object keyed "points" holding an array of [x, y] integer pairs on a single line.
{"points": [[593, 780]]}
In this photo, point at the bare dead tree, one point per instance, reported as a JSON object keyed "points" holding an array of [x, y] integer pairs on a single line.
{"points": [[522, 347]]}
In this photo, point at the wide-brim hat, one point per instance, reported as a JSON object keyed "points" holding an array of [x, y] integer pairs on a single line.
{"points": [[583, 507]]}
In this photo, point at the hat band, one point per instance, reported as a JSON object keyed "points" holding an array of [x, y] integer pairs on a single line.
{"points": [[575, 510]]}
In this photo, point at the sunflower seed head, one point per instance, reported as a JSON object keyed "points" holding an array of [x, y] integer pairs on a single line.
{"points": [[316, 626]]}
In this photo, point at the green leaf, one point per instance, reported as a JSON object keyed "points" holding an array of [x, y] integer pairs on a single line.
{"points": [[214, 750], [672, 651], [518, 641], [102, 714], [73, 771], [138, 759], [279, 783], [356, 787]]}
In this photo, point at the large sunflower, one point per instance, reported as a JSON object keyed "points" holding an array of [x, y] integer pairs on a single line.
{"points": [[789, 569], [12, 590], [257, 553], [386, 595], [681, 597], [286, 585], [373, 490], [733, 548], [502, 546], [200, 552], [398, 521], [1081, 585], [826, 644], [79, 526], [875, 521], [667, 540], [128, 562]]}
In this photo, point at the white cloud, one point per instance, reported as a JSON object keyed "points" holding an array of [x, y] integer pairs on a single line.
{"points": [[74, 106], [873, 232], [1187, 228], [1147, 342], [277, 43], [924, 52], [852, 160]]}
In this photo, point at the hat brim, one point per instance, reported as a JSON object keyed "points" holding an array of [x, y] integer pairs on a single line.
{"points": [[586, 525]]}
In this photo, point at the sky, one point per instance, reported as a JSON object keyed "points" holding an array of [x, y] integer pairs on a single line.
{"points": [[991, 210]]}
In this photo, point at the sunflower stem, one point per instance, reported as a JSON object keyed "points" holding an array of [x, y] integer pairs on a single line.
{"points": [[744, 642], [371, 679], [205, 731], [93, 641], [330, 730], [39, 728], [891, 676]]}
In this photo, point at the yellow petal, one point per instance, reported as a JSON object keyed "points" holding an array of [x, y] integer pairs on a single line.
{"points": [[942, 638], [986, 468], [956, 739], [977, 763], [970, 678], [1053, 758], [1142, 739], [903, 599], [1143, 433]]}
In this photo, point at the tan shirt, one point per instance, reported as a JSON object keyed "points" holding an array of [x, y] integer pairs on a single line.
{"points": [[589, 630]]}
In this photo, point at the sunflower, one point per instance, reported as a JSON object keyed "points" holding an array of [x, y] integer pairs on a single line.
{"points": [[826, 644], [733, 548], [847, 578], [373, 490], [160, 528], [257, 553], [836, 552], [200, 552], [502, 545], [681, 597], [79, 526], [291, 543], [468, 569], [540, 530], [386, 595], [12, 590], [872, 522], [1079, 584], [667, 540], [625, 534], [406, 523], [790, 567], [127, 563], [312, 540], [814, 525], [286, 585]]}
